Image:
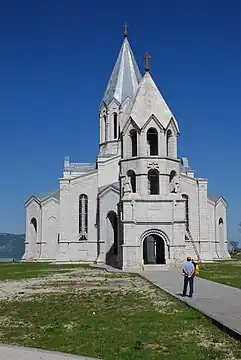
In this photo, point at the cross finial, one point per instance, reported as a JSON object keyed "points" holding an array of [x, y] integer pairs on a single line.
{"points": [[125, 26], [147, 57]]}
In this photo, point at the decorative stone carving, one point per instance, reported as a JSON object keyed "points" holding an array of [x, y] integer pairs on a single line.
{"points": [[175, 185], [127, 185], [153, 165]]}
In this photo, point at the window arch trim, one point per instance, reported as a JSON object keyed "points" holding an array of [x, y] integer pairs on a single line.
{"points": [[83, 217]]}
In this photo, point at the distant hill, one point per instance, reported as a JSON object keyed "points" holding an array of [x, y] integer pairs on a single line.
{"points": [[12, 245]]}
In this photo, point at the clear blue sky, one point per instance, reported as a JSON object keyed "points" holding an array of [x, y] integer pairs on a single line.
{"points": [[55, 61]]}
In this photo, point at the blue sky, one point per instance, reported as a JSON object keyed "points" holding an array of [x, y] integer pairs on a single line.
{"points": [[56, 58]]}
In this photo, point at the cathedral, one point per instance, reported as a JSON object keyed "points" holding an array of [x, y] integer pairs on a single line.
{"points": [[138, 206]]}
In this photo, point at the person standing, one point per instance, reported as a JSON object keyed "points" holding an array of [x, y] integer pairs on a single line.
{"points": [[188, 272]]}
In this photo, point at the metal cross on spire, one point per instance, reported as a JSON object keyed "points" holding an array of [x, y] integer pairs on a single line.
{"points": [[147, 57], [125, 26]]}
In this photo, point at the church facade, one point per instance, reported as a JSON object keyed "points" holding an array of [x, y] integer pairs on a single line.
{"points": [[139, 205]]}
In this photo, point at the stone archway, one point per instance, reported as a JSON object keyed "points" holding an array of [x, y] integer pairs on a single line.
{"points": [[154, 247], [154, 250], [111, 238]]}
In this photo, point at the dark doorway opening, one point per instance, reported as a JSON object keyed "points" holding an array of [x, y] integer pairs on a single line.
{"points": [[154, 250]]}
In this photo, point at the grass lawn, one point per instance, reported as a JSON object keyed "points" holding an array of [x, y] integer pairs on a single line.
{"points": [[17, 271], [225, 272], [93, 313]]}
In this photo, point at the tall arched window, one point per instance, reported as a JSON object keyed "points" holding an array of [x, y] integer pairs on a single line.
{"points": [[34, 223], [133, 135], [172, 175], [131, 174], [152, 139], [169, 135], [106, 129], [185, 197], [153, 182], [83, 217], [115, 125]]}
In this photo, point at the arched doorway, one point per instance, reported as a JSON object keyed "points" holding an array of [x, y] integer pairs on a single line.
{"points": [[112, 238], [154, 250]]}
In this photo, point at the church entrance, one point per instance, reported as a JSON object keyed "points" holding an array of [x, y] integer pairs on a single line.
{"points": [[154, 250], [112, 238]]}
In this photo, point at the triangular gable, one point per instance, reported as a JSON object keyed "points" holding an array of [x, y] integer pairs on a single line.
{"points": [[127, 125], [148, 101], [108, 189], [152, 117]]}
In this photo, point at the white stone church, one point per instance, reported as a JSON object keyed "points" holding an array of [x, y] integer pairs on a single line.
{"points": [[139, 205]]}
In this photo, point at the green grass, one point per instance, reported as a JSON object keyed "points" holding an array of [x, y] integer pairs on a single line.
{"points": [[17, 271], [135, 321], [224, 272]]}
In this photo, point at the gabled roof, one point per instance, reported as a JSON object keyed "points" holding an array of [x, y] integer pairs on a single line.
{"points": [[125, 76], [216, 198], [149, 101], [44, 196], [115, 185]]}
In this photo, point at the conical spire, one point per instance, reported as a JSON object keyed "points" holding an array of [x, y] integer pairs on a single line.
{"points": [[125, 76], [149, 101]]}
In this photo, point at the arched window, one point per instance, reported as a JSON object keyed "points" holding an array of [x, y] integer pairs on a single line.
{"points": [[106, 129], [220, 221], [172, 175], [131, 174], [153, 182], [169, 135], [133, 135], [185, 197], [34, 223], [83, 217], [152, 139], [115, 125]]}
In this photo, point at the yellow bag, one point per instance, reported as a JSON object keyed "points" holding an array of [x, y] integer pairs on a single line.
{"points": [[197, 269]]}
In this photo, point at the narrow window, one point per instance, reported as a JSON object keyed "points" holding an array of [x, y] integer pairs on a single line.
{"points": [[153, 181], [172, 175], [152, 139], [131, 174], [133, 135], [83, 217], [105, 126], [185, 197], [168, 142], [220, 221], [34, 223], [115, 125]]}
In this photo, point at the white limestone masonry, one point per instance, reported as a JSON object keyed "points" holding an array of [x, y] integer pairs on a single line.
{"points": [[139, 206]]}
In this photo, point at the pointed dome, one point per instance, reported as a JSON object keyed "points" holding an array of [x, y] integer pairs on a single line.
{"points": [[125, 76], [148, 102]]}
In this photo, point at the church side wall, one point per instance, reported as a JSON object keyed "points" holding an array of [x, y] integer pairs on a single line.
{"points": [[108, 203], [214, 246], [108, 171], [188, 187], [70, 247], [33, 235], [50, 229], [221, 229]]}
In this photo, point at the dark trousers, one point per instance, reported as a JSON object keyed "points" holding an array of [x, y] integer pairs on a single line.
{"points": [[187, 281]]}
